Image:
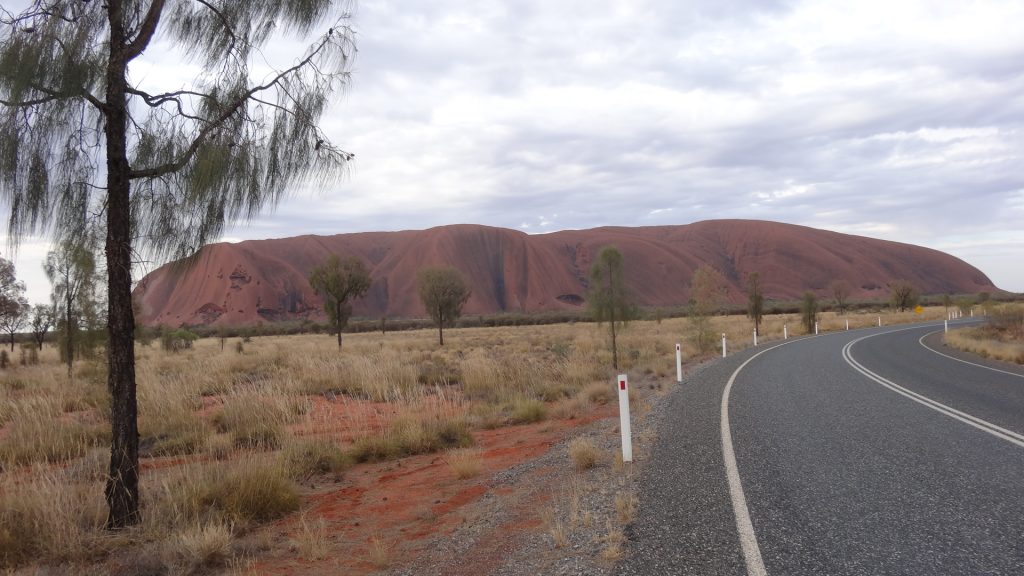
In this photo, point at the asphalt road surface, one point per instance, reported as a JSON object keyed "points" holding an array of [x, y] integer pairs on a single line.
{"points": [[861, 452]]}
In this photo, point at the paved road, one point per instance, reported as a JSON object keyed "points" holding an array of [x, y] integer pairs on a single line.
{"points": [[843, 469]]}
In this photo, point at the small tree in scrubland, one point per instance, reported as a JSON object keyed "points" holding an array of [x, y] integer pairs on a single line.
{"points": [[338, 282], [755, 301], [608, 299], [903, 295], [707, 292], [444, 293], [840, 294], [809, 311]]}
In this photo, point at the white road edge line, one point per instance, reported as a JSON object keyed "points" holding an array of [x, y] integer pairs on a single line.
{"points": [[978, 423], [929, 348], [748, 540]]}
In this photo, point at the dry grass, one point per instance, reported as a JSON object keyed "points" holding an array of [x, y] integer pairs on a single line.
{"points": [[231, 421], [200, 547], [1001, 338], [613, 541], [625, 508], [466, 463], [583, 453], [311, 540], [380, 554]]}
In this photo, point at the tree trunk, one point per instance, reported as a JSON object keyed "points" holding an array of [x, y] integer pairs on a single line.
{"points": [[69, 350], [12, 341], [440, 328], [122, 490]]}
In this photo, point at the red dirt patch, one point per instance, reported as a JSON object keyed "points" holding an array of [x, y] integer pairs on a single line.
{"points": [[397, 507]]}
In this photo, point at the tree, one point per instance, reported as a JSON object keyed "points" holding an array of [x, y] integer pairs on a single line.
{"points": [[707, 292], [42, 320], [947, 301], [809, 311], [903, 295], [338, 281], [840, 294], [71, 269], [443, 293], [607, 298], [83, 141], [755, 301], [14, 306]]}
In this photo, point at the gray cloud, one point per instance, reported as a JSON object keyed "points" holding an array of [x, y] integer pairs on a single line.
{"points": [[903, 121]]}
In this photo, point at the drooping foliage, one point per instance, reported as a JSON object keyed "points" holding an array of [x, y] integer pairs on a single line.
{"points": [[93, 136]]}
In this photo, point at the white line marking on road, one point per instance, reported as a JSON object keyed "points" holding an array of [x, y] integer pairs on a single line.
{"points": [[748, 540], [978, 423], [927, 347]]}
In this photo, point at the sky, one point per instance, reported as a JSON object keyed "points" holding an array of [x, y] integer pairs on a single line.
{"points": [[899, 120]]}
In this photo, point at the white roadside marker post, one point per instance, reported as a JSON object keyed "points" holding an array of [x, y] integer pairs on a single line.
{"points": [[847, 323], [879, 321], [723, 344], [627, 434], [755, 338], [946, 323], [679, 363], [785, 331], [815, 328]]}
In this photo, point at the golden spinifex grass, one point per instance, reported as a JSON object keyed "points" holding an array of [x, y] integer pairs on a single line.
{"points": [[1001, 338], [227, 435]]}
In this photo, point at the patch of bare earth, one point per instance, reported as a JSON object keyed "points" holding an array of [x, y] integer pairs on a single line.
{"points": [[417, 516]]}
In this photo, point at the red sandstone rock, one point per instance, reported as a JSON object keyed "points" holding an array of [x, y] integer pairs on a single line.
{"points": [[509, 271]]}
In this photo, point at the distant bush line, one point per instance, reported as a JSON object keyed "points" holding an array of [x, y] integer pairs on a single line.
{"points": [[363, 324]]}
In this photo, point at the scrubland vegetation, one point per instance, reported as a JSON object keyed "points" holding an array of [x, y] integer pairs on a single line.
{"points": [[1000, 338], [230, 433]]}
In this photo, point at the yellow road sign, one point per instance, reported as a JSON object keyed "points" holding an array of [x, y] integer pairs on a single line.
{"points": [[919, 309]]}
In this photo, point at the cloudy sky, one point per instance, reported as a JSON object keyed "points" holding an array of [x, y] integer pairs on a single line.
{"points": [[895, 120]]}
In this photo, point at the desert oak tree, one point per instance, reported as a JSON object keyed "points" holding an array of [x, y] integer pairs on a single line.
{"points": [[71, 269], [903, 295], [338, 281], [607, 297], [443, 293], [707, 293], [755, 300], [89, 138], [42, 321], [14, 307], [809, 311]]}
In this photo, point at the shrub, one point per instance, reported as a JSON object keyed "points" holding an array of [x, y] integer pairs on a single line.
{"points": [[408, 436], [599, 393], [464, 463], [305, 458], [252, 422], [528, 411], [253, 492], [583, 453], [177, 340], [200, 547]]}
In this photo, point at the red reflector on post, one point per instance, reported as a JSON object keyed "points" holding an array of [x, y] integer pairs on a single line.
{"points": [[622, 384]]}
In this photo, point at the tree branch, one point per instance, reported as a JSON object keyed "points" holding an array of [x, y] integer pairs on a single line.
{"points": [[146, 31], [224, 21], [176, 165]]}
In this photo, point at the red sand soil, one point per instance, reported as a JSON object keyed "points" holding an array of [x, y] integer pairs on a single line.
{"points": [[509, 271], [402, 506]]}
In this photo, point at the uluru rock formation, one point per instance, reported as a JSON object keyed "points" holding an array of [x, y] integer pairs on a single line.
{"points": [[509, 271]]}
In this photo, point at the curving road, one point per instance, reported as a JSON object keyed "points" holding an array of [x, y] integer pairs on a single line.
{"points": [[862, 452]]}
